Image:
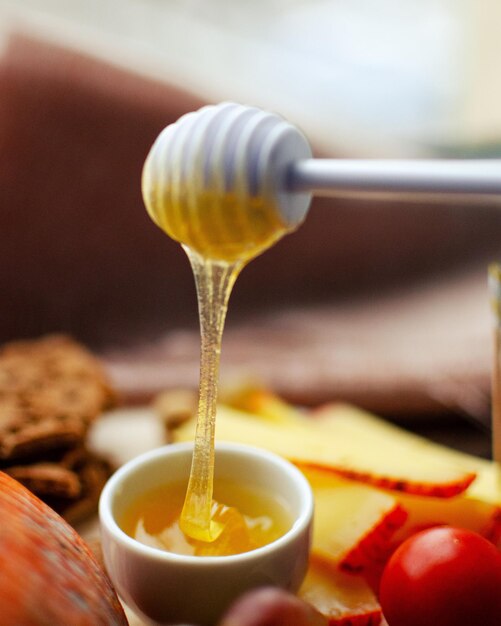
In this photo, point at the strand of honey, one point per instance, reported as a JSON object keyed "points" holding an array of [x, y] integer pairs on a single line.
{"points": [[220, 232], [214, 281]]}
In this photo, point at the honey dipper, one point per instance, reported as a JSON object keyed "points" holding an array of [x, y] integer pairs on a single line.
{"points": [[232, 148]]}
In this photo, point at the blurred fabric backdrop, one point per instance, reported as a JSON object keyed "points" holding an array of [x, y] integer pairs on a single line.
{"points": [[380, 301]]}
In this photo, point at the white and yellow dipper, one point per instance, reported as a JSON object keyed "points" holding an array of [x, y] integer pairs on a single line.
{"points": [[231, 174]]}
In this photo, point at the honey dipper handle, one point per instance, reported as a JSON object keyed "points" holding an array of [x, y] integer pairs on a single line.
{"points": [[328, 176]]}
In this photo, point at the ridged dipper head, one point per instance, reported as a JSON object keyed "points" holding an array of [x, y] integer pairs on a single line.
{"points": [[216, 180]]}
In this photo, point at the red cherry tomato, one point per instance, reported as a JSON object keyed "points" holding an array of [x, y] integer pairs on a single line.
{"points": [[443, 577]]}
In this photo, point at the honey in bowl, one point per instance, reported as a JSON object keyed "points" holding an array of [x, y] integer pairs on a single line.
{"points": [[250, 518], [170, 588]]}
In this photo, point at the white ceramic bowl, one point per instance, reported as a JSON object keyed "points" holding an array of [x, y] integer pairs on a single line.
{"points": [[168, 588]]}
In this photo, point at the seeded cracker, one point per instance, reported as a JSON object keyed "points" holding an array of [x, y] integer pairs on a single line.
{"points": [[51, 390]]}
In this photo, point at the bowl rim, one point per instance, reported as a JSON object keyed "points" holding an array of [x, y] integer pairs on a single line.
{"points": [[298, 527]]}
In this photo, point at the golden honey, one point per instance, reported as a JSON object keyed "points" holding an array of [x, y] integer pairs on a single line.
{"points": [[250, 518], [220, 232], [222, 226]]}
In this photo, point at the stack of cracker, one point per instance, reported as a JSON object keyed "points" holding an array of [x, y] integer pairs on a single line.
{"points": [[51, 391]]}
